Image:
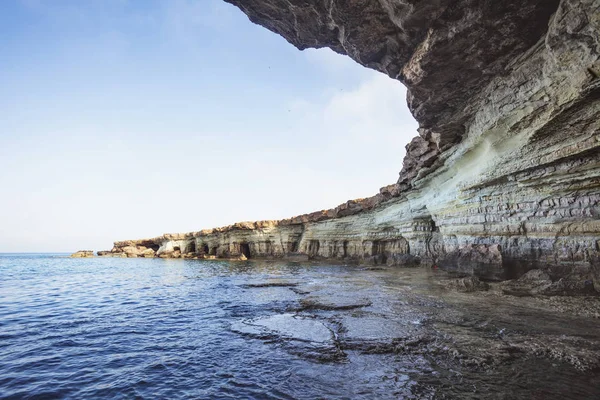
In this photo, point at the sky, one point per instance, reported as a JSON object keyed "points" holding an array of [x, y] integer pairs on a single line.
{"points": [[124, 119]]}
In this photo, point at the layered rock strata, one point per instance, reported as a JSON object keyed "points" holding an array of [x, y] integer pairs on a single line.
{"points": [[506, 167]]}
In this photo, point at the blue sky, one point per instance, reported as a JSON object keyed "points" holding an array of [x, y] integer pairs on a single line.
{"points": [[124, 119]]}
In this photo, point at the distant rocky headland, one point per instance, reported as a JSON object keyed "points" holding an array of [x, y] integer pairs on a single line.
{"points": [[504, 175]]}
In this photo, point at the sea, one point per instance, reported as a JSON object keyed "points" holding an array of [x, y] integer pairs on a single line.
{"points": [[113, 328]]}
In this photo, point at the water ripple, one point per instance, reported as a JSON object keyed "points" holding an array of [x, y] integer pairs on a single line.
{"points": [[145, 329]]}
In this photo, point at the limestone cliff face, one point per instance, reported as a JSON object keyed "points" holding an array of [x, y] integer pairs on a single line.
{"points": [[507, 95]]}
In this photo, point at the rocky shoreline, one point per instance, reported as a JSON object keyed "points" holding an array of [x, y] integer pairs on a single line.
{"points": [[504, 176], [344, 321]]}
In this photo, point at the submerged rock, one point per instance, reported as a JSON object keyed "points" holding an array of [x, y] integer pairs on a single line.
{"points": [[333, 302], [485, 331], [374, 333], [305, 336], [467, 284], [271, 283], [288, 326]]}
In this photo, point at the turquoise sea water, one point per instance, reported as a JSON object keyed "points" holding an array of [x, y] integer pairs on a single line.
{"points": [[107, 328]]}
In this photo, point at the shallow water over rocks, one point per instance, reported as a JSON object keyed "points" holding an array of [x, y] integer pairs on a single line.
{"points": [[148, 328]]}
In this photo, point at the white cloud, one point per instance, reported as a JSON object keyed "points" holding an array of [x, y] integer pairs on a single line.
{"points": [[373, 112], [370, 122], [378, 104]]}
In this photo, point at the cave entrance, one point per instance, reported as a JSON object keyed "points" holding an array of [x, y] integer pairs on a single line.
{"points": [[191, 247], [245, 249], [313, 248], [205, 248], [378, 251], [293, 247], [345, 247], [213, 251]]}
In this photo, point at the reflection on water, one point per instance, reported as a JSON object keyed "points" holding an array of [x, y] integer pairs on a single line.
{"points": [[152, 328]]}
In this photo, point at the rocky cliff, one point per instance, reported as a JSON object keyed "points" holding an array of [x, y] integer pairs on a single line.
{"points": [[504, 175]]}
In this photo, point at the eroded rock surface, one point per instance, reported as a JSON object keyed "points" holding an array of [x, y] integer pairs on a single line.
{"points": [[467, 284], [339, 302], [475, 259], [507, 96], [431, 320], [83, 254]]}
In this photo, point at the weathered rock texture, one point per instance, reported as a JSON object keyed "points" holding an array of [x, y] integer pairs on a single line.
{"points": [[82, 254], [507, 95]]}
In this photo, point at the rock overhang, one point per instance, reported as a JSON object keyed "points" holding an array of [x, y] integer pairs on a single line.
{"points": [[508, 151], [446, 52]]}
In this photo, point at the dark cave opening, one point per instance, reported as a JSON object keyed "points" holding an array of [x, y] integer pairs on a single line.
{"points": [[245, 249], [313, 248], [293, 246], [378, 251], [191, 247]]}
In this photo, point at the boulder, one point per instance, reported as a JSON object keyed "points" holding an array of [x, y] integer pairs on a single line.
{"points": [[531, 283], [538, 282], [467, 284], [481, 260], [148, 253]]}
